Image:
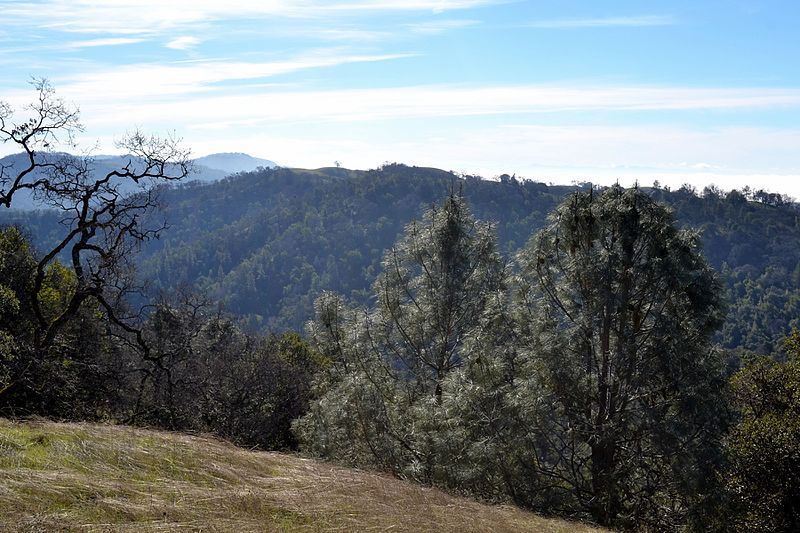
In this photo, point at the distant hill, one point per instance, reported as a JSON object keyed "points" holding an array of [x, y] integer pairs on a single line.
{"points": [[232, 162], [267, 243], [84, 477], [205, 169]]}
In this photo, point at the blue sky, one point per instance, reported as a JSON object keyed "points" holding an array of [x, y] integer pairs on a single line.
{"points": [[703, 91]]}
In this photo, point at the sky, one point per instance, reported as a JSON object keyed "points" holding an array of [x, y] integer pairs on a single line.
{"points": [[674, 91]]}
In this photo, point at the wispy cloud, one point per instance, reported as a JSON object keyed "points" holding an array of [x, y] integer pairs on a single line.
{"points": [[605, 22], [348, 34], [449, 101], [165, 81], [435, 27], [156, 16], [183, 43], [92, 43], [435, 6], [328, 33], [45, 51], [189, 95]]}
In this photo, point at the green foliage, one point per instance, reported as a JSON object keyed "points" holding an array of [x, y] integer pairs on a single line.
{"points": [[763, 306], [57, 290], [68, 378], [380, 402], [203, 373], [269, 243], [619, 308], [13, 258], [7, 349], [763, 477], [590, 388], [16, 269], [200, 372]]}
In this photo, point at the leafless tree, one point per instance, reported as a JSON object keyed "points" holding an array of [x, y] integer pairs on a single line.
{"points": [[106, 214]]}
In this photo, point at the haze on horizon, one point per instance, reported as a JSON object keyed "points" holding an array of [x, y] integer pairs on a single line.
{"points": [[679, 91]]}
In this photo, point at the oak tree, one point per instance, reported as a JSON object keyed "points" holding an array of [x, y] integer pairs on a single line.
{"points": [[105, 214]]}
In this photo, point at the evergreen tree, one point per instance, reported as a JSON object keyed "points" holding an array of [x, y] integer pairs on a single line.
{"points": [[618, 308], [380, 403]]}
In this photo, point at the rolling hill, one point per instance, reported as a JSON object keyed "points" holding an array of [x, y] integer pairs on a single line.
{"points": [[83, 477], [267, 243], [206, 169]]}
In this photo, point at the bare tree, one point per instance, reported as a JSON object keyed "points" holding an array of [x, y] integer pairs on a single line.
{"points": [[106, 215]]}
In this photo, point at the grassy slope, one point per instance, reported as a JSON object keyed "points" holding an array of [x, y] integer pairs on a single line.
{"points": [[81, 477]]}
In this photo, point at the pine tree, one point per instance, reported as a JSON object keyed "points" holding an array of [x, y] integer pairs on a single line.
{"points": [[380, 403], [618, 308]]}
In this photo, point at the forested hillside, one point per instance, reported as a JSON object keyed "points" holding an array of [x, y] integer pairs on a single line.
{"points": [[618, 352], [557, 353], [267, 243]]}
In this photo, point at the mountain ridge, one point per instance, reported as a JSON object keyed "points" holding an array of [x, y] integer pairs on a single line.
{"points": [[209, 168], [267, 243]]}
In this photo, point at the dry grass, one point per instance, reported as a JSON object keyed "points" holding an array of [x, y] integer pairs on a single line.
{"points": [[81, 477]]}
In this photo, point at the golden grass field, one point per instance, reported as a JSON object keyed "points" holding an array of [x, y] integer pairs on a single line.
{"points": [[84, 477]]}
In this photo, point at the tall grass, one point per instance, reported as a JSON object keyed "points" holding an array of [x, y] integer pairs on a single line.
{"points": [[81, 477]]}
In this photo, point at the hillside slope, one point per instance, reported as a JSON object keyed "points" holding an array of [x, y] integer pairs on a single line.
{"points": [[81, 477], [267, 243]]}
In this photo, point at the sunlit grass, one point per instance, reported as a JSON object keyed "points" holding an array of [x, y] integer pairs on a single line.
{"points": [[81, 477]]}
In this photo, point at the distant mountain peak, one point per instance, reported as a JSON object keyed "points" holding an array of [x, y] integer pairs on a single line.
{"points": [[230, 155], [232, 162]]}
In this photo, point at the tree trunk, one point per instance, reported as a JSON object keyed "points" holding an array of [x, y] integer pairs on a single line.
{"points": [[605, 505]]}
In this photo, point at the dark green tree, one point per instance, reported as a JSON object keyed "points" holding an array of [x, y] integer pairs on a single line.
{"points": [[65, 379], [619, 307], [763, 475]]}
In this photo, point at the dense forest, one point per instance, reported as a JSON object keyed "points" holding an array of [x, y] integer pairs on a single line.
{"points": [[267, 243], [628, 357]]}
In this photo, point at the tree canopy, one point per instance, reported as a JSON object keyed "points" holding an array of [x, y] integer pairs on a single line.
{"points": [[584, 383], [620, 308]]}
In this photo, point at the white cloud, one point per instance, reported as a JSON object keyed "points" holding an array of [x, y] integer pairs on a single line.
{"points": [[35, 54], [341, 34], [183, 43], [435, 27], [606, 22], [156, 16], [161, 82], [92, 43], [166, 83], [436, 6]]}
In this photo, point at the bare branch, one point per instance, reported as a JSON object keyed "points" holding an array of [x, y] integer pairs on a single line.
{"points": [[107, 213]]}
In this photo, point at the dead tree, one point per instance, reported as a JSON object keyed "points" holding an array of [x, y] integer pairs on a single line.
{"points": [[106, 215]]}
